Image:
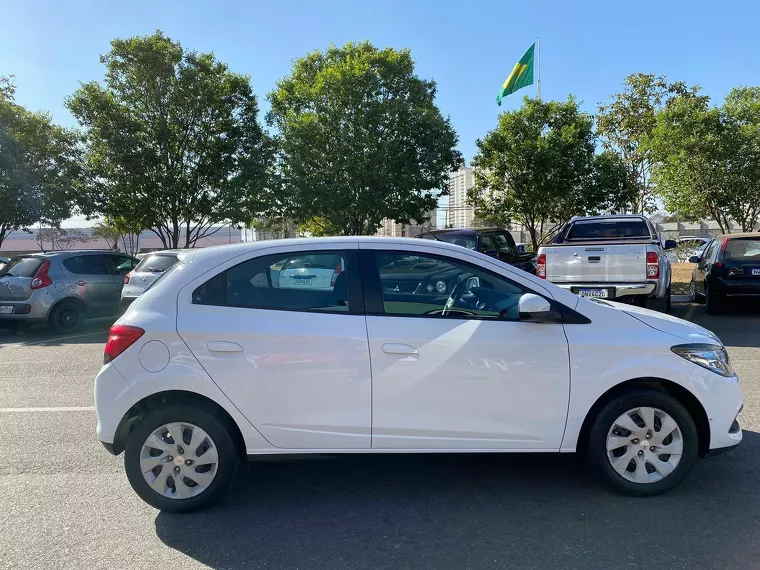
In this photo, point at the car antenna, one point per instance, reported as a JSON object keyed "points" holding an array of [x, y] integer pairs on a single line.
{"points": [[435, 237]]}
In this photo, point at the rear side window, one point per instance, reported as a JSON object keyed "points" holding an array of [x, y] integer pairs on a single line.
{"points": [[156, 263], [22, 267], [86, 265], [314, 281], [609, 229]]}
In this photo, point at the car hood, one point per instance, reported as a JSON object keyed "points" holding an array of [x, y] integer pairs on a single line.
{"points": [[670, 324]]}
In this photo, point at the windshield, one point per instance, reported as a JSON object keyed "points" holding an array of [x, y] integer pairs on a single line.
{"points": [[21, 267], [609, 229], [156, 263], [742, 250]]}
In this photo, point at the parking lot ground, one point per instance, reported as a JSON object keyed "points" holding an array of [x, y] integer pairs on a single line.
{"points": [[65, 502]]}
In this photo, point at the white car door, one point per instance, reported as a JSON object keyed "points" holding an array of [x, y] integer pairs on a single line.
{"points": [[462, 371], [294, 361]]}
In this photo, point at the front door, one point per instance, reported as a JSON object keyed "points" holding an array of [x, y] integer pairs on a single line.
{"points": [[452, 365], [293, 358]]}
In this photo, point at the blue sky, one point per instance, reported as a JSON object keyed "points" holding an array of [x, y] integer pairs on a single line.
{"points": [[468, 48]]}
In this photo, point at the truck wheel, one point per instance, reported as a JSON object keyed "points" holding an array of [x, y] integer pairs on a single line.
{"points": [[660, 305]]}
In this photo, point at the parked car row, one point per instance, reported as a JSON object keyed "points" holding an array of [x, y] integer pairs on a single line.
{"points": [[63, 289], [414, 346]]}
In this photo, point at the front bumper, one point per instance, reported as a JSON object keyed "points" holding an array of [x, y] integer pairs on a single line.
{"points": [[619, 289]]}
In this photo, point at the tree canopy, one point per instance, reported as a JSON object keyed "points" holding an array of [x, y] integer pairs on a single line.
{"points": [[361, 139], [174, 143], [39, 165], [539, 167], [626, 125]]}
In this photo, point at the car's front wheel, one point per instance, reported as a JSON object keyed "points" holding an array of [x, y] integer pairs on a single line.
{"points": [[180, 459], [642, 443]]}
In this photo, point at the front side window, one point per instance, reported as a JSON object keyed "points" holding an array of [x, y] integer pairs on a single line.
{"points": [[122, 264], [86, 265], [428, 285], [309, 281]]}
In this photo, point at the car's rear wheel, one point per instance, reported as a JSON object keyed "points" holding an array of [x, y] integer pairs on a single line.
{"points": [[714, 303], [642, 443], [67, 317], [180, 459]]}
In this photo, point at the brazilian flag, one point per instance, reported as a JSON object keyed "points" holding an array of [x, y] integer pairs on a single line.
{"points": [[521, 76]]}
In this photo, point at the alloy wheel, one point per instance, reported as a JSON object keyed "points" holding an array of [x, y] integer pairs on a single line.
{"points": [[179, 460], [644, 445]]}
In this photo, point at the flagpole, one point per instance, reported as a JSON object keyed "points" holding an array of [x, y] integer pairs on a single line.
{"points": [[538, 83]]}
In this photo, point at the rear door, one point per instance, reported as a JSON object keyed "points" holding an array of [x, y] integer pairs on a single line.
{"points": [[92, 281], [294, 360]]}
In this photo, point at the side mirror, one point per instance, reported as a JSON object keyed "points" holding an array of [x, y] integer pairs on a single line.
{"points": [[670, 244], [534, 309], [491, 253], [694, 259]]}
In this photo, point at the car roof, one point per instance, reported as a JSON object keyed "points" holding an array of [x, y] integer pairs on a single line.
{"points": [[69, 252], [739, 235], [611, 217], [165, 252], [461, 231]]}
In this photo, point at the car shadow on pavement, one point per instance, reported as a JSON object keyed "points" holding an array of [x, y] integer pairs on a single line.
{"points": [[473, 511], [92, 331]]}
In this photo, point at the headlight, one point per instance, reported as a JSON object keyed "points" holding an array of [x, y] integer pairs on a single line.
{"points": [[440, 286], [711, 356]]}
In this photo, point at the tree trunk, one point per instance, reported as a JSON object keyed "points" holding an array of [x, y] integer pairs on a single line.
{"points": [[533, 237]]}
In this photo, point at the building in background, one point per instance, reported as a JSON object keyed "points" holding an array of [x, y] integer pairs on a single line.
{"points": [[390, 228], [458, 213]]}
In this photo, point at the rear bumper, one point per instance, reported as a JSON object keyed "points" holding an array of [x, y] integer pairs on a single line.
{"points": [[739, 287], [620, 289]]}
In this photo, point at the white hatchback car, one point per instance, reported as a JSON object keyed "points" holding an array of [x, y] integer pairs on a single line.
{"points": [[215, 363], [147, 271]]}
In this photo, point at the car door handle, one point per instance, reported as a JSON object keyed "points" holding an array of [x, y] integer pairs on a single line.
{"points": [[81, 282], [218, 346], [398, 348]]}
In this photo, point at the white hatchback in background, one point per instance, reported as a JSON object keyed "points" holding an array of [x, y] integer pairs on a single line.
{"points": [[216, 363], [309, 272], [147, 271]]}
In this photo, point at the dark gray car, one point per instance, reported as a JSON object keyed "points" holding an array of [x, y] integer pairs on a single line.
{"points": [[61, 288]]}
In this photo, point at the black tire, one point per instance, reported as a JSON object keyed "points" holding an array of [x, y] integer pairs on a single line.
{"points": [[226, 466], [714, 304], [694, 295], [668, 301], [596, 452], [67, 317], [655, 304]]}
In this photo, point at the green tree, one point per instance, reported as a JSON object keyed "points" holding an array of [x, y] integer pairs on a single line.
{"points": [[707, 159], [39, 165], [175, 132], [626, 125], [108, 232], [538, 167], [361, 140]]}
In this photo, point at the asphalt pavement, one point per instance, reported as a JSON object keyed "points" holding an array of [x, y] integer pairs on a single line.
{"points": [[66, 503]]}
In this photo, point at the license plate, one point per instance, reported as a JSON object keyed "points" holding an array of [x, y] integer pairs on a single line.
{"points": [[6, 309], [301, 280], [756, 272], [594, 293]]}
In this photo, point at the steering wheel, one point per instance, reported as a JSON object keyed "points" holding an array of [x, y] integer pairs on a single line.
{"points": [[455, 293]]}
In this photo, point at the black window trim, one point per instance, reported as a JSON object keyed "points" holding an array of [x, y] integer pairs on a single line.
{"points": [[373, 295], [353, 285]]}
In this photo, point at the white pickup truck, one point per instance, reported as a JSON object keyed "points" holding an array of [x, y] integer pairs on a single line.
{"points": [[618, 258]]}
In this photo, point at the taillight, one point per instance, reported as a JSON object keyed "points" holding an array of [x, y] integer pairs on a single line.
{"points": [[126, 279], [721, 251], [41, 278], [120, 338], [653, 265], [541, 265]]}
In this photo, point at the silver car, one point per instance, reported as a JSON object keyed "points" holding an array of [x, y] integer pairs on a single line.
{"points": [[147, 271], [61, 288]]}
